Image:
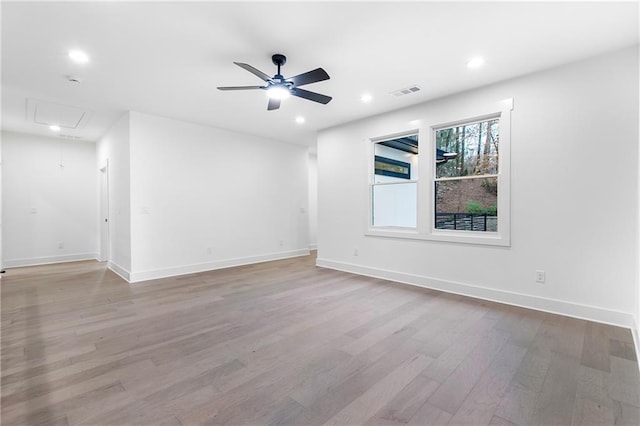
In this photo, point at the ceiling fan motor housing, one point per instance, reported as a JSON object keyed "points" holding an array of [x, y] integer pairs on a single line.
{"points": [[279, 60]]}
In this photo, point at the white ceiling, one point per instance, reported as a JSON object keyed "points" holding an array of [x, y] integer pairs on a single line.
{"points": [[167, 58]]}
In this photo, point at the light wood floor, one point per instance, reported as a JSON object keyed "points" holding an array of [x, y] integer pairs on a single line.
{"points": [[288, 343]]}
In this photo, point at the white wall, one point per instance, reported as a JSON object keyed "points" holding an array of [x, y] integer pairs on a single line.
{"points": [[204, 198], [574, 174], [313, 201], [114, 150], [49, 199]]}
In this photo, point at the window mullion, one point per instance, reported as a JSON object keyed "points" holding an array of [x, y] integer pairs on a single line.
{"points": [[444, 179]]}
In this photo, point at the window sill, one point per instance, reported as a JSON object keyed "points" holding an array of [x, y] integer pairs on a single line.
{"points": [[460, 237]]}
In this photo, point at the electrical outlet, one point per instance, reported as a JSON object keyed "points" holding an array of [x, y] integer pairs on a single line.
{"points": [[355, 252], [60, 245], [281, 243], [540, 276], [209, 250]]}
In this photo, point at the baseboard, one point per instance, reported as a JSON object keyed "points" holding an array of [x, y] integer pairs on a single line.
{"points": [[210, 266], [591, 313], [45, 260], [119, 270], [313, 246]]}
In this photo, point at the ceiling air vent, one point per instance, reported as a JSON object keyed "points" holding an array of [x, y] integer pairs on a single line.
{"points": [[73, 137], [406, 91]]}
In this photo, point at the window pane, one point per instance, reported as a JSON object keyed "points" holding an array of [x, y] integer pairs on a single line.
{"points": [[389, 167], [395, 205], [396, 160], [394, 199], [467, 204], [470, 149]]}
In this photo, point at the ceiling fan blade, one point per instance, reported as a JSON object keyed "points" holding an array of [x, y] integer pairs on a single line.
{"points": [[254, 71], [273, 104], [312, 96], [241, 87], [310, 77]]}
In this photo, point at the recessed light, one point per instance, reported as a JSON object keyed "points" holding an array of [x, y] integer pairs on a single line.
{"points": [[476, 62], [299, 119], [54, 128], [366, 98], [78, 56]]}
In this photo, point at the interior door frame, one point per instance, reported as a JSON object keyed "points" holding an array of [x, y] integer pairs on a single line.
{"points": [[104, 227]]}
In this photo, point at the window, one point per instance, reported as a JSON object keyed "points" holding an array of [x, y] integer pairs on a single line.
{"points": [[465, 197], [394, 189], [466, 181]]}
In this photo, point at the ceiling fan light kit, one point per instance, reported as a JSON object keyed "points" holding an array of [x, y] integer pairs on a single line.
{"points": [[278, 87], [278, 92]]}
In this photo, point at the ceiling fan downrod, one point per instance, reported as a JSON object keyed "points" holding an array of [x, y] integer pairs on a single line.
{"points": [[279, 60]]}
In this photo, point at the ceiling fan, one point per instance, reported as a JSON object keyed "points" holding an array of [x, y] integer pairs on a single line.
{"points": [[279, 88]]}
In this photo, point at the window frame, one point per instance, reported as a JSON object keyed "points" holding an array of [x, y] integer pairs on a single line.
{"points": [[425, 229]]}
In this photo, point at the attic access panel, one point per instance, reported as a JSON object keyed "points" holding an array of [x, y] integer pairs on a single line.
{"points": [[50, 113]]}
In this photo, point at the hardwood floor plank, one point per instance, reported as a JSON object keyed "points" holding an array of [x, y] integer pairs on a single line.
{"points": [[152, 393], [527, 328], [453, 391], [261, 394], [378, 395], [480, 405], [499, 421], [460, 349], [517, 405], [55, 411], [590, 412], [282, 413], [154, 398], [556, 399], [595, 351], [32, 389], [288, 343], [331, 400], [622, 349], [54, 394], [155, 408], [626, 414], [171, 421], [384, 320], [624, 384], [561, 334], [316, 388], [392, 326], [533, 370], [406, 403], [428, 415], [454, 320], [593, 403]]}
